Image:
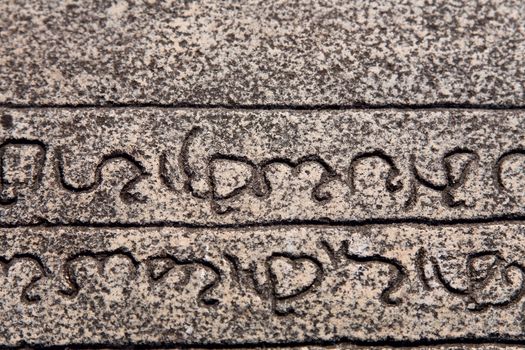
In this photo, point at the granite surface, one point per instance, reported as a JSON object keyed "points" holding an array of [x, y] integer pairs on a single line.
{"points": [[262, 52], [221, 167], [376, 284], [208, 227], [262, 174]]}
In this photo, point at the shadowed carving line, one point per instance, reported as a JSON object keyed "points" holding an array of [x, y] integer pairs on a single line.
{"points": [[258, 182], [202, 294], [125, 193], [100, 257], [39, 173], [44, 270], [449, 185], [302, 291], [394, 284], [311, 341], [498, 172], [477, 279], [262, 107], [248, 224], [393, 171]]}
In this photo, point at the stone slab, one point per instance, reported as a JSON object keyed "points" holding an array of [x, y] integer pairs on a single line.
{"points": [[378, 284], [218, 167], [262, 52], [450, 346]]}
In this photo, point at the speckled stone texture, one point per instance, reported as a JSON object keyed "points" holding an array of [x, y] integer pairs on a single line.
{"points": [[276, 285], [277, 174], [208, 227], [262, 52], [220, 167]]}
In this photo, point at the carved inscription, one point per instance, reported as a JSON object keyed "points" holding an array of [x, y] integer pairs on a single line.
{"points": [[341, 277], [235, 168], [28, 270], [161, 265], [22, 164], [487, 279], [456, 165], [230, 175]]}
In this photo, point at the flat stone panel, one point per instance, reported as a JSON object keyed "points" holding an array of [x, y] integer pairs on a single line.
{"points": [[449, 346], [262, 174], [216, 167], [262, 52], [376, 284]]}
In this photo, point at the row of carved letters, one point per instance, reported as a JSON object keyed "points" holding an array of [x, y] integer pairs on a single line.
{"points": [[481, 268], [258, 182]]}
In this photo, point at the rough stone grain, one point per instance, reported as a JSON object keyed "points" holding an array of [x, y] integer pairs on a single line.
{"points": [[207, 227], [276, 174], [280, 285], [222, 167], [262, 52]]}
